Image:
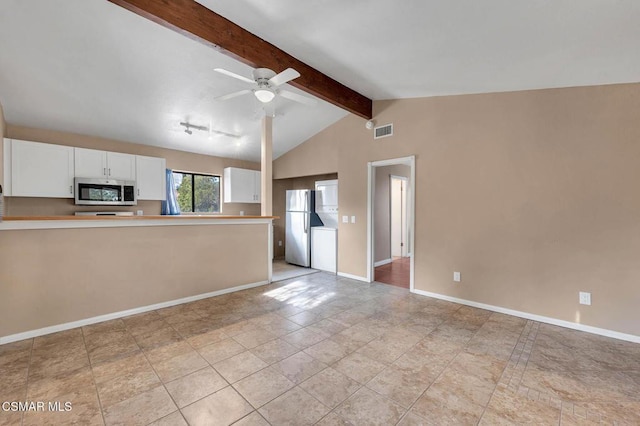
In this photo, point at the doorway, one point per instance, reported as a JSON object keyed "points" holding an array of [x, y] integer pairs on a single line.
{"points": [[391, 221]]}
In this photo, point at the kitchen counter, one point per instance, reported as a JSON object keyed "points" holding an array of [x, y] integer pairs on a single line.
{"points": [[55, 222]]}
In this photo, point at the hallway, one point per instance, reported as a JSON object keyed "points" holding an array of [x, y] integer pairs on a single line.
{"points": [[396, 273]]}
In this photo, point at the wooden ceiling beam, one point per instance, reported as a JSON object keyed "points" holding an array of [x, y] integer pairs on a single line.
{"points": [[201, 24]]}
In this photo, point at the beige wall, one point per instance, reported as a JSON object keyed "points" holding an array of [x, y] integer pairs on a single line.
{"points": [[2, 134], [280, 187], [382, 209], [532, 196], [177, 160], [54, 276]]}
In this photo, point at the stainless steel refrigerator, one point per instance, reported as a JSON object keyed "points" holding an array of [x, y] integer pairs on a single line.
{"points": [[300, 218]]}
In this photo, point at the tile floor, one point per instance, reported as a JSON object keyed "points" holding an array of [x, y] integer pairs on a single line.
{"points": [[323, 350], [395, 273], [282, 270]]}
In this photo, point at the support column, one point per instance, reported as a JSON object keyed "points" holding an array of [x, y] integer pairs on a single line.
{"points": [[266, 181]]}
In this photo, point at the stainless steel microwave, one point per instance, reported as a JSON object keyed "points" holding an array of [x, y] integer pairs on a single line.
{"points": [[105, 192]]}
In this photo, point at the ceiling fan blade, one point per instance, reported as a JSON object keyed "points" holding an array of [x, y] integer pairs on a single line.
{"points": [[234, 75], [285, 76], [298, 98], [232, 95]]}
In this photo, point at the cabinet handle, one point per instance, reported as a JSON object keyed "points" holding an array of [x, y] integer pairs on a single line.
{"points": [[109, 171], [138, 192], [70, 189], [105, 171]]}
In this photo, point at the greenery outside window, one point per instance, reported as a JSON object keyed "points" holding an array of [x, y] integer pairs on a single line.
{"points": [[197, 193]]}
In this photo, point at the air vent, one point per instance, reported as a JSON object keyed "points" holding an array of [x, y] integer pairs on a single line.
{"points": [[383, 131]]}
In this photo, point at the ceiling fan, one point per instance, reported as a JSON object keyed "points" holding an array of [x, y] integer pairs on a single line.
{"points": [[266, 85]]}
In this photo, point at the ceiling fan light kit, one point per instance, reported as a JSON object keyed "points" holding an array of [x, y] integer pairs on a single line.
{"points": [[266, 83]]}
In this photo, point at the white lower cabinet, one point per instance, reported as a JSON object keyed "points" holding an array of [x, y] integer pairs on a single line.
{"points": [[41, 169], [324, 249], [151, 178]]}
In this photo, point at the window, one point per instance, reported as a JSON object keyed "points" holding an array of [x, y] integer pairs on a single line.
{"points": [[197, 193]]}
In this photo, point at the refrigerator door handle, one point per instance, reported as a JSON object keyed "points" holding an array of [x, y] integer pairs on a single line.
{"points": [[306, 207]]}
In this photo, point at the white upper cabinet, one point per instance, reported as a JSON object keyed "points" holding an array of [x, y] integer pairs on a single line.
{"points": [[151, 178], [327, 195], [41, 170], [241, 185], [92, 163]]}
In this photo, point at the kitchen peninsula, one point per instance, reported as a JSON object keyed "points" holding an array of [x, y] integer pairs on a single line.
{"points": [[60, 272]]}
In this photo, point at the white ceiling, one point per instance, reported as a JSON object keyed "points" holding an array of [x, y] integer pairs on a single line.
{"points": [[389, 49], [91, 67]]}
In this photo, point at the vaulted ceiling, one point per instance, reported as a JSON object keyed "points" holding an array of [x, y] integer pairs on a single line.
{"points": [[89, 66]]}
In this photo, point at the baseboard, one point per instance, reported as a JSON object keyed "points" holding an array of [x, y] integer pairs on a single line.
{"points": [[353, 277], [115, 315], [382, 262], [534, 317]]}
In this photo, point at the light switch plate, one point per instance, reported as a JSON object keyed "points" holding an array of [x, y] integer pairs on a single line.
{"points": [[456, 277], [353, 219], [345, 219], [585, 298]]}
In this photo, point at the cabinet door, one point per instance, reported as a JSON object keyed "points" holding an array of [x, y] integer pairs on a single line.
{"points": [[90, 163], [257, 178], [239, 185], [121, 166], [151, 178], [41, 170]]}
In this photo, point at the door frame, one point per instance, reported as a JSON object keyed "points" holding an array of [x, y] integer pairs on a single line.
{"points": [[409, 161], [404, 215]]}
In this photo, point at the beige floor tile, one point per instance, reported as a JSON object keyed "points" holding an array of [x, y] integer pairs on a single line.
{"points": [[305, 337], [359, 367], [239, 328], [85, 410], [142, 409], [304, 318], [115, 349], [158, 337], [239, 366], [55, 360], [330, 387], [105, 326], [204, 339], [294, 408], [510, 408], [327, 351], [333, 419], [299, 367], [274, 351], [367, 407], [253, 419], [221, 350], [221, 408], [60, 338], [263, 386], [402, 385], [387, 348], [11, 418], [173, 419], [179, 366], [192, 387], [328, 326], [445, 406], [49, 388], [120, 367], [411, 419], [162, 353], [253, 338], [127, 386]]}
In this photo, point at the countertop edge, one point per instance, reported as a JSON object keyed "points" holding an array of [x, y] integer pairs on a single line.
{"points": [[74, 222]]}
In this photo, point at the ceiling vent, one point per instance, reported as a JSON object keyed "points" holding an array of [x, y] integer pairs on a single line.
{"points": [[383, 131]]}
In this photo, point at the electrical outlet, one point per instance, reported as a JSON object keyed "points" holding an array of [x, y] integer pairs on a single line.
{"points": [[585, 298], [345, 219], [456, 277], [279, 243]]}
